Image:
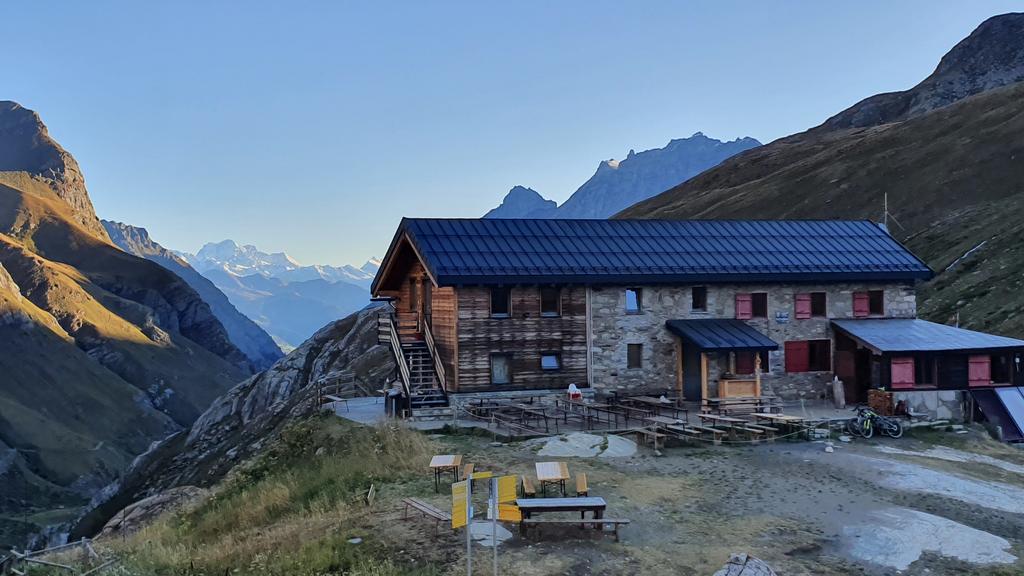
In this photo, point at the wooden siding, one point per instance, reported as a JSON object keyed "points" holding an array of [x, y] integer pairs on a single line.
{"points": [[444, 327], [524, 335]]}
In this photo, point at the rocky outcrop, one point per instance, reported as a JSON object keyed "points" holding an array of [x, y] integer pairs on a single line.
{"points": [[256, 344], [744, 565], [991, 57], [238, 424], [26, 146], [618, 184], [139, 514]]}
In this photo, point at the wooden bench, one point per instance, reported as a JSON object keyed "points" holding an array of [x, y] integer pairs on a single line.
{"points": [[768, 431], [427, 510], [615, 523], [528, 491], [716, 433], [466, 471], [581, 484], [648, 435], [754, 433]]}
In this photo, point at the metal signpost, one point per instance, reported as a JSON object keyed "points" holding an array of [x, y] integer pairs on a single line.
{"points": [[501, 491]]}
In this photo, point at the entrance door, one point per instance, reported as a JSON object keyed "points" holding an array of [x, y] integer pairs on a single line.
{"points": [[856, 388], [691, 373]]}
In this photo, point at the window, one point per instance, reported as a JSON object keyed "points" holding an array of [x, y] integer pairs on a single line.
{"points": [[759, 304], [550, 302], [550, 361], [634, 355], [746, 362], [501, 369], [808, 305], [699, 298], [634, 300], [876, 303], [1000, 368], [808, 355], [819, 307], [501, 302], [870, 303]]}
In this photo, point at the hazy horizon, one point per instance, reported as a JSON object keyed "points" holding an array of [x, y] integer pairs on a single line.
{"points": [[312, 130]]}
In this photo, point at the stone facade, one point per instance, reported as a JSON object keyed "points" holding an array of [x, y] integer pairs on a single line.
{"points": [[612, 330]]}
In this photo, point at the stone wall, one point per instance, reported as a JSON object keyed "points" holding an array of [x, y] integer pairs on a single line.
{"points": [[938, 404], [612, 329]]}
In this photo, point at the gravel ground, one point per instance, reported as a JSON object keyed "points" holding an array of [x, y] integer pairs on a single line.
{"points": [[935, 503]]}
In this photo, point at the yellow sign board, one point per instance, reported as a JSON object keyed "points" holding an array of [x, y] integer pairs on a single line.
{"points": [[506, 489], [460, 511], [509, 513]]}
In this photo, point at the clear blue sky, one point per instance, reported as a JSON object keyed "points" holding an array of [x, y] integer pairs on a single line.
{"points": [[313, 127]]}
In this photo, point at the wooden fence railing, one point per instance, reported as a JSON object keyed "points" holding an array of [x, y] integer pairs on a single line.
{"points": [[89, 562], [428, 337], [396, 349]]}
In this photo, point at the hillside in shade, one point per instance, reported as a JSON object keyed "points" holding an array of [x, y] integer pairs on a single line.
{"points": [[256, 344], [101, 352], [951, 164]]}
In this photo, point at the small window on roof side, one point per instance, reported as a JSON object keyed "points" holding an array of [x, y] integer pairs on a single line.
{"points": [[634, 300]]}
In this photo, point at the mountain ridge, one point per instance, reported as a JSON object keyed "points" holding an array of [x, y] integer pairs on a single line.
{"points": [[952, 178], [618, 184]]}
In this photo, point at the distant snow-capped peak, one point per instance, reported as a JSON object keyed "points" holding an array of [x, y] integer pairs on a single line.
{"points": [[246, 260]]}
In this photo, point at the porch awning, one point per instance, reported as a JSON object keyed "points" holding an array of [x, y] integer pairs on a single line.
{"points": [[886, 335], [720, 334]]}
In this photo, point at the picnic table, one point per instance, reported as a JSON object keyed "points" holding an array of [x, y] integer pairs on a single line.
{"points": [[658, 405], [717, 419], [552, 473], [445, 463], [664, 420], [593, 504], [754, 403]]}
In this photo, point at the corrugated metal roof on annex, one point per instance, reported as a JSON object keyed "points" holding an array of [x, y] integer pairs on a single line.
{"points": [[720, 334], [500, 251], [915, 335]]}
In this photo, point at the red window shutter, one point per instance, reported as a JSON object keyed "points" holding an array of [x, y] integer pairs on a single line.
{"points": [[797, 356], [745, 362], [861, 305], [902, 372], [803, 306], [979, 372], [744, 307]]}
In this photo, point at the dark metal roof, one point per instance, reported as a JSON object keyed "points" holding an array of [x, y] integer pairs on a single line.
{"points": [[913, 335], [497, 251], [720, 334]]}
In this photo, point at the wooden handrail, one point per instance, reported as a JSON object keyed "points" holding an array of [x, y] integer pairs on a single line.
{"points": [[396, 349], [428, 337]]}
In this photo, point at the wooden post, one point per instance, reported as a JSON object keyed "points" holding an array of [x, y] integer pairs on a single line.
{"points": [[757, 374], [680, 371], [704, 378]]}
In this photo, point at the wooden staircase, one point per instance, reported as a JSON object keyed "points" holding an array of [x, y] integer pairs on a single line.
{"points": [[419, 368]]}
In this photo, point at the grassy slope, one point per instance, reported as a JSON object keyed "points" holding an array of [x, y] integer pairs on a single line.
{"points": [[954, 177], [291, 511]]}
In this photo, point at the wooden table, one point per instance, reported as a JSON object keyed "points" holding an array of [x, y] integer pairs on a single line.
{"points": [[727, 420], [592, 504], [552, 473], [445, 463], [657, 405], [664, 420]]}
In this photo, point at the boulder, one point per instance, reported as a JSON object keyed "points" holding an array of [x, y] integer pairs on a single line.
{"points": [[745, 565]]}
